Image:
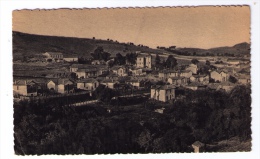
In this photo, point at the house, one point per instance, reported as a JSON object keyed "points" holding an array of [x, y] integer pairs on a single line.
{"points": [[56, 56], [75, 67], [163, 93], [136, 83], [87, 73], [185, 73], [137, 71], [243, 78], [98, 62], [25, 87], [177, 80], [71, 59], [119, 70], [233, 62], [193, 68], [144, 61], [198, 146], [112, 76], [89, 84], [227, 86], [200, 78], [196, 86], [219, 75], [64, 85], [110, 83], [103, 71], [165, 74]]}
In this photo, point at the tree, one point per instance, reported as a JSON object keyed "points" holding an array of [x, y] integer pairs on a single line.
{"points": [[171, 62], [195, 61], [119, 59], [131, 58], [208, 62], [100, 54], [232, 79], [157, 60]]}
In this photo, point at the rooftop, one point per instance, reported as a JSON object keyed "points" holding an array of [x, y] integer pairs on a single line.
{"points": [[87, 80], [164, 87]]}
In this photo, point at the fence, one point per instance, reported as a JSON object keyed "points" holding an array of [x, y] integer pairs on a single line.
{"points": [[52, 96]]}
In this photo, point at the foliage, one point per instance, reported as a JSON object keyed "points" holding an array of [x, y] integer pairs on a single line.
{"points": [[52, 127], [131, 57], [195, 61], [171, 62], [100, 54], [119, 59], [232, 79]]}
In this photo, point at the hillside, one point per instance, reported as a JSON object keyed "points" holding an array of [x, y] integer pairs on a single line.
{"points": [[28, 45], [238, 49]]}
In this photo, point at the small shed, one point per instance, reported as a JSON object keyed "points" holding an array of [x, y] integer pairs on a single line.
{"points": [[198, 146]]}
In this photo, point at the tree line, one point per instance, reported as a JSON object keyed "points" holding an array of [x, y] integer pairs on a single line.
{"points": [[49, 127]]}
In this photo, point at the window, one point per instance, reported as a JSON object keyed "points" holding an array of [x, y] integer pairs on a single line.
{"points": [[17, 87]]}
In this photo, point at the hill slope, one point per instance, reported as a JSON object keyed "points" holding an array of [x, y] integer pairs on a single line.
{"points": [[238, 49], [28, 45]]}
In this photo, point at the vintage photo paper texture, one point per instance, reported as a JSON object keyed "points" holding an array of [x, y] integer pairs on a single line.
{"points": [[137, 80]]}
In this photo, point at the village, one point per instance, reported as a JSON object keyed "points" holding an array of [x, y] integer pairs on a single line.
{"points": [[158, 76], [132, 81]]}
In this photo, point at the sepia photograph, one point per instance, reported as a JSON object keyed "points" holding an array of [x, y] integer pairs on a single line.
{"points": [[134, 80]]}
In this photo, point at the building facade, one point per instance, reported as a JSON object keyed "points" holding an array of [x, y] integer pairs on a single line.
{"points": [[144, 61], [163, 93]]}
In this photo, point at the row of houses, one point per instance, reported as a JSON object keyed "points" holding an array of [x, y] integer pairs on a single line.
{"points": [[166, 93], [26, 87], [89, 71]]}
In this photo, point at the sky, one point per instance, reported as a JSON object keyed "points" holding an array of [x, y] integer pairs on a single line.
{"points": [[197, 27]]}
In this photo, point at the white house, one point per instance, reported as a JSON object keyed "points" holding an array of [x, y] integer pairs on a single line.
{"points": [[178, 80], [87, 73], [98, 62], [71, 59], [220, 76], [233, 62], [110, 83], [165, 74], [163, 93], [25, 87], [119, 70], [144, 61], [193, 68], [56, 56], [89, 84], [185, 73], [137, 71], [200, 78], [61, 85], [134, 82]]}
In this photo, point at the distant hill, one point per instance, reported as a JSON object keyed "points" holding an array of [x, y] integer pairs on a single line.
{"points": [[238, 49], [29, 44]]}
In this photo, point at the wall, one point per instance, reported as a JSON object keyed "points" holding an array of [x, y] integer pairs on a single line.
{"points": [[22, 90], [51, 84]]}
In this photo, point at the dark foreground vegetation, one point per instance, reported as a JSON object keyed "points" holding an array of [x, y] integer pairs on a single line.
{"points": [[51, 127]]}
